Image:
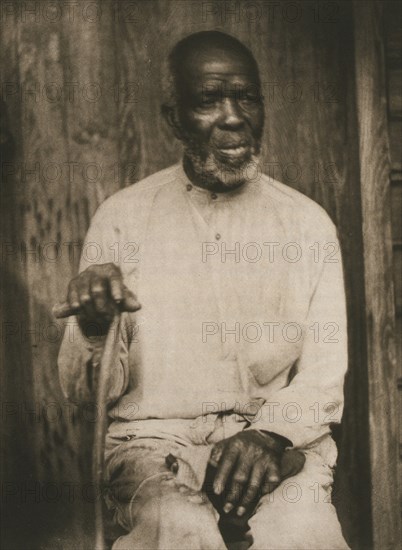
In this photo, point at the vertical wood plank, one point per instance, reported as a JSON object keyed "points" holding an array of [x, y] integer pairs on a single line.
{"points": [[57, 61], [374, 167], [17, 441], [310, 143], [41, 199], [42, 183], [393, 50], [91, 129]]}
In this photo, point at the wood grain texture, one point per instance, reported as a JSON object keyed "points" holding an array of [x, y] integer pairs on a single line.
{"points": [[396, 198], [397, 277], [393, 51], [40, 197], [23, 317], [375, 197], [89, 145], [17, 453], [395, 136], [64, 167], [395, 92]]}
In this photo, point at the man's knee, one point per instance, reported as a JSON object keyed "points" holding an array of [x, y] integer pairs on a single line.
{"points": [[167, 504], [176, 519], [297, 526]]}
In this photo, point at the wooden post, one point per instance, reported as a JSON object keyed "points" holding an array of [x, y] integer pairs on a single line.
{"points": [[377, 243]]}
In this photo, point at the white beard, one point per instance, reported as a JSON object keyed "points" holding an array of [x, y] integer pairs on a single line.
{"points": [[213, 171]]}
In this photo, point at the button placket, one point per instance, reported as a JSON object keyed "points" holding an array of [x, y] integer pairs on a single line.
{"points": [[214, 197]]}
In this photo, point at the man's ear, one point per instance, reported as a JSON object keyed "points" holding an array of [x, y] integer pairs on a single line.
{"points": [[170, 115]]}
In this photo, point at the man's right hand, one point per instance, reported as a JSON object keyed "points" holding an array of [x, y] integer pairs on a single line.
{"points": [[96, 295]]}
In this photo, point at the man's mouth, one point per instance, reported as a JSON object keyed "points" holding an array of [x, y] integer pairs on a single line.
{"points": [[234, 150]]}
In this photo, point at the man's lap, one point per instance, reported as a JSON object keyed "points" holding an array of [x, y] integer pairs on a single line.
{"points": [[149, 502]]}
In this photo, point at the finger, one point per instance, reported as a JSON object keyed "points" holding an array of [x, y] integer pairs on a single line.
{"points": [[88, 314], [292, 462], [216, 454], [239, 480], [64, 309], [233, 496], [130, 302], [99, 294], [116, 288], [225, 466], [273, 473], [84, 295], [272, 477], [73, 297], [253, 488]]}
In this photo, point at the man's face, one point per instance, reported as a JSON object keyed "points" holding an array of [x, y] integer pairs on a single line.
{"points": [[221, 115]]}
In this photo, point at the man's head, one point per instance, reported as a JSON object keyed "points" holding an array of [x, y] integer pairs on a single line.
{"points": [[215, 107]]}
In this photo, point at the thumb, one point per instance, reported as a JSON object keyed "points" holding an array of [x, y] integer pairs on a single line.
{"points": [[292, 462], [129, 302], [216, 454]]}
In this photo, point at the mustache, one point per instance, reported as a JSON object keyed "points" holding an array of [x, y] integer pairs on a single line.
{"points": [[231, 140], [221, 142]]}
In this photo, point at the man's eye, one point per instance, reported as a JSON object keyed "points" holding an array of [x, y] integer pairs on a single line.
{"points": [[209, 100], [249, 98]]}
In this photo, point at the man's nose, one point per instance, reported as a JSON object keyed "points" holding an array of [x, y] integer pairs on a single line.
{"points": [[232, 117]]}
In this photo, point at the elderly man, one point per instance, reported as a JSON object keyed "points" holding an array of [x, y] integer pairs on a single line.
{"points": [[229, 374]]}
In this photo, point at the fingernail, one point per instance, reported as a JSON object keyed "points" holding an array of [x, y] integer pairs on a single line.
{"points": [[273, 479], [241, 510], [228, 507], [217, 489]]}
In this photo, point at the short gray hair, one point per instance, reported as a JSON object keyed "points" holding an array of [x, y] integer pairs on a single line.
{"points": [[171, 65]]}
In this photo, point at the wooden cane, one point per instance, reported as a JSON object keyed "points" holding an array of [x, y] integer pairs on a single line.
{"points": [[98, 453]]}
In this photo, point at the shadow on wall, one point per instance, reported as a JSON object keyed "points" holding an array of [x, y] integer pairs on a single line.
{"points": [[53, 508]]}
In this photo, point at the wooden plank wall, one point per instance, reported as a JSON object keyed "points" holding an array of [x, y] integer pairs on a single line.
{"points": [[393, 51], [92, 126], [377, 242]]}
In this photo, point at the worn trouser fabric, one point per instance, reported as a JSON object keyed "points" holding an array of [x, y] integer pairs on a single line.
{"points": [[161, 510]]}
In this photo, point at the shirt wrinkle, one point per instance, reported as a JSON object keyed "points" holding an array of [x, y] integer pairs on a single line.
{"points": [[195, 349]]}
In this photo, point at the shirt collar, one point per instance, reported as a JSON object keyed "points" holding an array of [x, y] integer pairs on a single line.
{"points": [[212, 196]]}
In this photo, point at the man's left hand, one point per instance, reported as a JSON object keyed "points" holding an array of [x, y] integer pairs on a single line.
{"points": [[251, 464]]}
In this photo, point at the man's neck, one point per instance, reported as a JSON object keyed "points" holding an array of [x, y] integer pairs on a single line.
{"points": [[211, 184]]}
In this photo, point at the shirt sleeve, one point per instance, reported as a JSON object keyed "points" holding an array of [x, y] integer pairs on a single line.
{"points": [[79, 356], [303, 411]]}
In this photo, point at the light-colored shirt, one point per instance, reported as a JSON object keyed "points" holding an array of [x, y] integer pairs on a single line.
{"points": [[243, 306]]}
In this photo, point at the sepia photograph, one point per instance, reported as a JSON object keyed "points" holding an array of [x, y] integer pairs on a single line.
{"points": [[201, 274]]}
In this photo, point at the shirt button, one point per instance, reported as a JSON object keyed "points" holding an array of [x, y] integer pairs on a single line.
{"points": [[214, 196], [217, 236], [189, 187]]}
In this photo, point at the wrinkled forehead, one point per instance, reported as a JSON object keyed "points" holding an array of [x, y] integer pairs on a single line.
{"points": [[207, 63]]}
